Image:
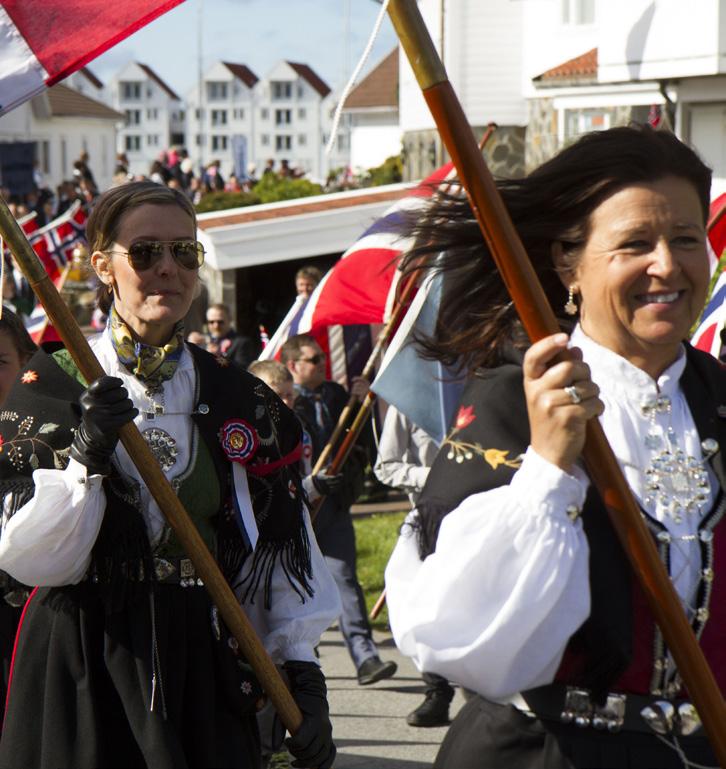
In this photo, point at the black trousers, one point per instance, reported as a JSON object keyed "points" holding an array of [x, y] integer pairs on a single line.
{"points": [[489, 736]]}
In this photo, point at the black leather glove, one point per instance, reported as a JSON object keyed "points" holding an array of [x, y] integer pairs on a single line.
{"points": [[312, 745], [105, 407], [327, 484]]}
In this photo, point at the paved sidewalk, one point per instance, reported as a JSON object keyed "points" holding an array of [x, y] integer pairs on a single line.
{"points": [[369, 723]]}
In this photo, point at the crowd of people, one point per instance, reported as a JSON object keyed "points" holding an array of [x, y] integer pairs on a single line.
{"points": [[507, 578]]}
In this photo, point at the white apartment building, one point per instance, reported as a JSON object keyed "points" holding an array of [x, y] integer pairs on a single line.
{"points": [[221, 124], [154, 115], [286, 115]]}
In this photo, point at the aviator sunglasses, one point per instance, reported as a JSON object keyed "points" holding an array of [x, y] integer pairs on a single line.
{"points": [[144, 254]]}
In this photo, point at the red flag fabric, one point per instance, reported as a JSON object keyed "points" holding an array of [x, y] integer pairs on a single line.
{"points": [[708, 335], [360, 288], [44, 41]]}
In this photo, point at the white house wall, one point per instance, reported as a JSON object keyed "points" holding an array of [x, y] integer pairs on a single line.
{"points": [[483, 52], [548, 42], [642, 39], [370, 145], [67, 138]]}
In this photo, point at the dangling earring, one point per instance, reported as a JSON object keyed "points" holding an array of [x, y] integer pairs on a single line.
{"points": [[109, 288], [570, 305]]}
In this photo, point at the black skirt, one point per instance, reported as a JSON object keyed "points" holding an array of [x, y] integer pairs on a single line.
{"points": [[83, 679], [486, 735]]}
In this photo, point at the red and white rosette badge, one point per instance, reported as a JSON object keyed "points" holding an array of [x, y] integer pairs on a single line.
{"points": [[240, 442]]}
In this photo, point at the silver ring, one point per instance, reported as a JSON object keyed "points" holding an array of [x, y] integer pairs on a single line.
{"points": [[575, 396]]}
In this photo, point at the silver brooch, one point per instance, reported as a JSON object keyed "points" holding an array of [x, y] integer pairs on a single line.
{"points": [[162, 446]]}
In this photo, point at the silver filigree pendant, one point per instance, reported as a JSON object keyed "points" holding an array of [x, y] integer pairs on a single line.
{"points": [[162, 446], [677, 482]]}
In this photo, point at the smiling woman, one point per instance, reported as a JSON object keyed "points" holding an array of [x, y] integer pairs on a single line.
{"points": [[120, 659], [517, 561]]}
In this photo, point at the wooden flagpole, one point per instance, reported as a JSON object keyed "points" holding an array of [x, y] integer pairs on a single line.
{"points": [[221, 593], [539, 321]]}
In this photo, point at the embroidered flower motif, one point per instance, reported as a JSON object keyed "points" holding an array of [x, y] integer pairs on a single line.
{"points": [[465, 417], [239, 440], [246, 687], [29, 377], [496, 457], [221, 361]]}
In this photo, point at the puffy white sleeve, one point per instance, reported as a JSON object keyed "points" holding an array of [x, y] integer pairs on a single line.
{"points": [[291, 628], [49, 540], [495, 605]]}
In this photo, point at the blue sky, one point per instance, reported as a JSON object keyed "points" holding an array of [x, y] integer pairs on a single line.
{"points": [[256, 33]]}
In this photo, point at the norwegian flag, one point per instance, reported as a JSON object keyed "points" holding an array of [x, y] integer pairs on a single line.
{"points": [[708, 336], [29, 225], [55, 242], [38, 324], [44, 41], [358, 291]]}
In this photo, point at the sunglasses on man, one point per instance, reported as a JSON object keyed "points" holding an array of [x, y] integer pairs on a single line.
{"points": [[315, 359], [144, 254]]}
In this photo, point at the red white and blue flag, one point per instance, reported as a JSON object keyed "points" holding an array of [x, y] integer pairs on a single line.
{"points": [[709, 334], [359, 291], [55, 242], [44, 41]]}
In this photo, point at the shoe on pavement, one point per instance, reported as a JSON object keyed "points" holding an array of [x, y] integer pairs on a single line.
{"points": [[433, 711], [374, 669]]}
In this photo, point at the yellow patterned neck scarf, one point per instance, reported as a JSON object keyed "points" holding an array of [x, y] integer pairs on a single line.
{"points": [[151, 365]]}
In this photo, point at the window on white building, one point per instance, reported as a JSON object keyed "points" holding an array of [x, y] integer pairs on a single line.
{"points": [[264, 113], [581, 121], [281, 90], [283, 116], [577, 12], [133, 143], [219, 142], [199, 140], [198, 113], [343, 142], [239, 114], [302, 113], [216, 91], [283, 143], [302, 140], [130, 90], [219, 117], [152, 140], [153, 113], [300, 92], [133, 116], [265, 139]]}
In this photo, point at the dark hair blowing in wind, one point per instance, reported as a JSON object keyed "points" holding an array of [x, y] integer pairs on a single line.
{"points": [[552, 204]]}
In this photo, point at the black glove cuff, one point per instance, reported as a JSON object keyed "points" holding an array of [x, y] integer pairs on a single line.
{"points": [[87, 452], [307, 677]]}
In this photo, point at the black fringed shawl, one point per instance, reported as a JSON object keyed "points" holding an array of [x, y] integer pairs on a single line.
{"points": [[37, 426]]}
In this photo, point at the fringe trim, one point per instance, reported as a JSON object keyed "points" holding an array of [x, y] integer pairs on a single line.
{"points": [[294, 560], [426, 524]]}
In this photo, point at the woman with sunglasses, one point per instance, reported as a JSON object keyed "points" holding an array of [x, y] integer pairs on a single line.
{"points": [[121, 659]]}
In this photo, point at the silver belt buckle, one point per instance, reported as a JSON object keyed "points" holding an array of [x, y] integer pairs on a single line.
{"points": [[611, 715], [578, 707]]}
